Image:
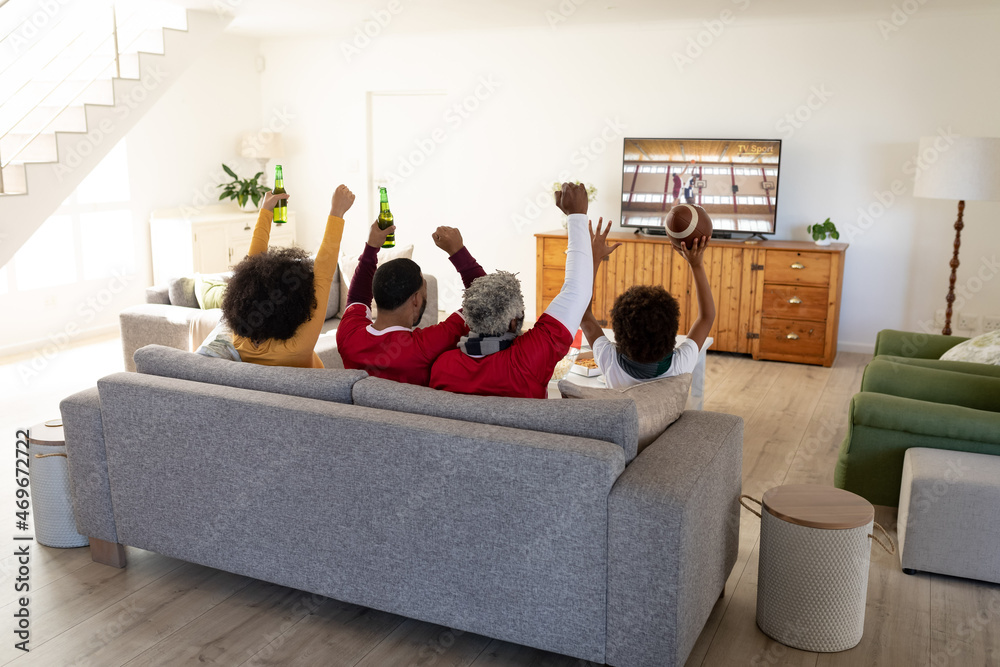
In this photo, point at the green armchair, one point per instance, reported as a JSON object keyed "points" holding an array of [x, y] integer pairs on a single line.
{"points": [[910, 398]]}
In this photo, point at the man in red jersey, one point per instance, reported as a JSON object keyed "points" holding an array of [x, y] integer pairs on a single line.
{"points": [[495, 359], [390, 347]]}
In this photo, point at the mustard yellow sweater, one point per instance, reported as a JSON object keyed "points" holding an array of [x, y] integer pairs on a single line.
{"points": [[299, 349]]}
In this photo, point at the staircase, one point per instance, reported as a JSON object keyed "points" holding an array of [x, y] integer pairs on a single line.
{"points": [[75, 77]]}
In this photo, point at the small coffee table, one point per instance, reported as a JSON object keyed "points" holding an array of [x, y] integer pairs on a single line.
{"points": [[696, 400]]}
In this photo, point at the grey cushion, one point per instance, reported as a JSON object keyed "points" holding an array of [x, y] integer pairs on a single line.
{"points": [[322, 383], [333, 303], [181, 292], [608, 420], [158, 294], [659, 403]]}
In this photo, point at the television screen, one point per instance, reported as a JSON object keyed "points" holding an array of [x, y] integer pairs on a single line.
{"points": [[734, 180]]}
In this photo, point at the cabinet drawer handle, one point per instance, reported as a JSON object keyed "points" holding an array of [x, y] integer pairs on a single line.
{"points": [[798, 265], [792, 336], [795, 299]]}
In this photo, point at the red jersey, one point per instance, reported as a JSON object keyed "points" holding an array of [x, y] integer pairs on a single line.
{"points": [[396, 353], [523, 370]]}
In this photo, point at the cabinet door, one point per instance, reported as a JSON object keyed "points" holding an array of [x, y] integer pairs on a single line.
{"points": [[211, 249]]}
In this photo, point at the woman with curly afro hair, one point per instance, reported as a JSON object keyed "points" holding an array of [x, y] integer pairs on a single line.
{"points": [[644, 319], [275, 301]]}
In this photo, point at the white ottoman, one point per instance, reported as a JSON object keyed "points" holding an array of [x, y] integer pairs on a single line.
{"points": [[949, 514]]}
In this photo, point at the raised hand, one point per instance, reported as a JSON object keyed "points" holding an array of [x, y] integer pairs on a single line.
{"points": [[448, 239], [342, 200], [572, 198], [693, 254], [271, 199], [376, 236], [598, 241]]}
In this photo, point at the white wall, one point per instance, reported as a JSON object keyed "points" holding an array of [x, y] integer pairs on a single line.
{"points": [[556, 91], [174, 153]]}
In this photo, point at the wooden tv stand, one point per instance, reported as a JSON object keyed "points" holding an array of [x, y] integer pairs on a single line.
{"points": [[777, 300]]}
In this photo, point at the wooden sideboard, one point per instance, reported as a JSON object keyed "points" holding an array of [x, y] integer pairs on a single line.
{"points": [[777, 300]]}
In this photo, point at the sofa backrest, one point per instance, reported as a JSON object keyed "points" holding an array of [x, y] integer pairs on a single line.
{"points": [[614, 421], [479, 527], [320, 383]]}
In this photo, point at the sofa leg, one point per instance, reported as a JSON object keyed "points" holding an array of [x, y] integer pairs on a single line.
{"points": [[723, 593], [107, 553], [907, 570]]}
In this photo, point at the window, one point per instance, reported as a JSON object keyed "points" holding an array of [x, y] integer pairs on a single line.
{"points": [[630, 168], [48, 259]]}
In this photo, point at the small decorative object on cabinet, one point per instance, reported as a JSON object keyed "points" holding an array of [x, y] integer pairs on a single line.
{"points": [[779, 300], [822, 232], [212, 241]]}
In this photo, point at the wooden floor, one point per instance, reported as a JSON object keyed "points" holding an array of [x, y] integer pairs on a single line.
{"points": [[162, 611]]}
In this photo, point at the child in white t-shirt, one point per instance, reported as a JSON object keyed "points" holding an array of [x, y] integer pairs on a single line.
{"points": [[644, 319]]}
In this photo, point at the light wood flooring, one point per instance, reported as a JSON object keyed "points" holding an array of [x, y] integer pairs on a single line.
{"points": [[162, 611]]}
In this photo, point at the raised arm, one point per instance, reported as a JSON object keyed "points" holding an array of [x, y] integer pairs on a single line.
{"points": [[262, 231], [325, 264], [706, 304], [450, 240], [360, 290], [598, 241], [569, 305]]}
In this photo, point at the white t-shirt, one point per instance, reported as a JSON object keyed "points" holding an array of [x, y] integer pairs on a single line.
{"points": [[685, 358]]}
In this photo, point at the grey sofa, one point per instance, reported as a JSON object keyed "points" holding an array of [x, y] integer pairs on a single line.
{"points": [[532, 521], [160, 321]]}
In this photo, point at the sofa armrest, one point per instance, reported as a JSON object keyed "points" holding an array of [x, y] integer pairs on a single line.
{"points": [[673, 537], [925, 418], [154, 323], [88, 465], [431, 312], [158, 294], [936, 385], [914, 344]]}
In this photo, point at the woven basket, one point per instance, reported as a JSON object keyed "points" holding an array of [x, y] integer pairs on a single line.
{"points": [[812, 583], [50, 497]]}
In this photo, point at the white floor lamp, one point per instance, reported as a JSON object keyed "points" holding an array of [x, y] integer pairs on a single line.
{"points": [[962, 168]]}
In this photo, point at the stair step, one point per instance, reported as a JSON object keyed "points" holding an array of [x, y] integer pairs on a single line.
{"points": [[13, 180], [77, 93], [41, 149], [48, 119]]}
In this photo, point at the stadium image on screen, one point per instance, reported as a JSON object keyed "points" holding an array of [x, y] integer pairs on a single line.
{"points": [[734, 180]]}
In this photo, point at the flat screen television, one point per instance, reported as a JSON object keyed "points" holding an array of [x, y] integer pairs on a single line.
{"points": [[734, 180]]}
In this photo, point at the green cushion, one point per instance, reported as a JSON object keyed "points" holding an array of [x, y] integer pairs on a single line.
{"points": [[957, 366], [914, 344], [209, 290], [936, 385]]}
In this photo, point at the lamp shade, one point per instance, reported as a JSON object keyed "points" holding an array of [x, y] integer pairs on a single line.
{"points": [[958, 168], [262, 145]]}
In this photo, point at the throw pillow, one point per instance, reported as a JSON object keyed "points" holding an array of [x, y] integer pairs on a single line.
{"points": [[209, 289], [984, 349], [349, 263], [659, 403], [181, 292]]}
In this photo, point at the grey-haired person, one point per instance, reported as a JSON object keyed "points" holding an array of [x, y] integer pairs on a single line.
{"points": [[496, 359]]}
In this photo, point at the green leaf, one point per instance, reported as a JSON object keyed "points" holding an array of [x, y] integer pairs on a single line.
{"points": [[835, 234], [255, 197], [224, 196], [257, 175], [230, 172]]}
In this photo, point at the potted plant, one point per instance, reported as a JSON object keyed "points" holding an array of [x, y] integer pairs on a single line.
{"points": [[243, 190], [822, 232]]}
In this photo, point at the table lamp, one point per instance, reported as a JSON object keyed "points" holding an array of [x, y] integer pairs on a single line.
{"points": [[966, 169], [263, 146]]}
